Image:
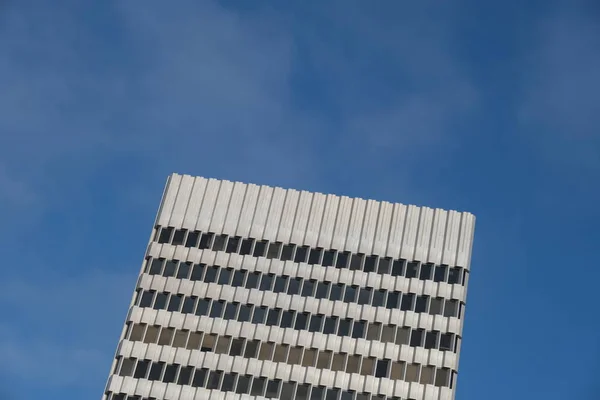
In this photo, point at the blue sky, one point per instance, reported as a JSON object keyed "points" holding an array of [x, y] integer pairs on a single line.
{"points": [[491, 108]]}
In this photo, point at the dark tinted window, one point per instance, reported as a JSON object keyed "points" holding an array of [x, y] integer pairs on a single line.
{"points": [[197, 271], [155, 371], [156, 266], [225, 276], [384, 265], [451, 308], [315, 323], [430, 340], [192, 239], [258, 386], [381, 370], [233, 244], [287, 318], [426, 270], [219, 243], [358, 331], [236, 347], [344, 327], [378, 298], [322, 289], [435, 306], [243, 384], [245, 312], [199, 377], [350, 294], [246, 247], [260, 248], [342, 260], [317, 393], [328, 257], [146, 299], [280, 282], [170, 372], [356, 261], [165, 235], [411, 269], [301, 321], [446, 342], [230, 311], [161, 301], [336, 292], [238, 278], [301, 253], [259, 315], [364, 296], [330, 325], [370, 263], [398, 267], [287, 252], [205, 240], [407, 301], [440, 273], [228, 382], [184, 270], [188, 305], [273, 388], [252, 280], [416, 337], [170, 268], [175, 302], [421, 305], [266, 282], [315, 256], [217, 309], [214, 378], [454, 275], [179, 237], [273, 316], [202, 308], [294, 286], [211, 274], [332, 394], [392, 300], [251, 349], [274, 249], [141, 369], [308, 288]]}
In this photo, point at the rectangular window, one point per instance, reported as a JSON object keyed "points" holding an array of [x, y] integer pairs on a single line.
{"points": [[280, 283], [342, 260], [243, 384], [287, 252], [294, 286], [286, 319], [356, 262], [252, 280], [364, 296], [358, 332], [180, 338], [416, 339], [310, 357], [225, 276], [233, 244], [175, 303], [427, 375], [412, 269], [451, 308], [192, 239], [165, 235], [301, 254], [274, 249], [273, 388], [214, 378], [228, 382], [301, 321], [223, 343], [194, 341], [439, 274], [141, 369], [454, 275], [246, 247], [431, 340], [339, 362], [238, 278], [398, 370], [237, 346], [259, 315], [402, 336], [407, 302], [446, 342], [435, 306], [378, 298], [281, 351], [344, 327], [392, 300], [179, 237], [197, 272], [330, 325], [336, 292], [425, 273], [295, 356], [211, 274], [374, 331], [202, 308], [161, 301], [137, 332], [398, 268], [151, 334], [368, 364], [381, 370], [308, 288], [322, 290], [170, 373], [328, 258], [266, 351], [208, 343], [260, 248], [206, 240], [245, 312], [170, 267], [219, 243], [350, 294], [199, 377], [230, 311], [370, 264], [273, 317], [156, 266], [324, 359], [156, 371], [183, 272], [146, 299], [412, 373], [421, 304], [388, 333], [251, 349], [442, 377], [315, 256], [166, 336], [315, 323], [217, 309], [266, 282], [353, 364], [185, 374], [384, 265]]}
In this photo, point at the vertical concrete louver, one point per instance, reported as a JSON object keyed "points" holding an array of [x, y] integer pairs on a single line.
{"points": [[253, 292]]}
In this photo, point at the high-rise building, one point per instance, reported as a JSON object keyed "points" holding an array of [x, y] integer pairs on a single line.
{"points": [[253, 292]]}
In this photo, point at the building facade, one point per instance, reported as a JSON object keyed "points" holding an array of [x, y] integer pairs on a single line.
{"points": [[254, 292]]}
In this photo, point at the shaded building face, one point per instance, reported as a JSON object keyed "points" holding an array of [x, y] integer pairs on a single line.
{"points": [[260, 291]]}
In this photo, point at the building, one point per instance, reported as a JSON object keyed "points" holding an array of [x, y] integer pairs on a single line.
{"points": [[252, 292]]}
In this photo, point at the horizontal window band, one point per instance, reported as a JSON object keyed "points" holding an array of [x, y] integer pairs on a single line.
{"points": [[188, 375], [311, 255], [269, 282], [301, 321]]}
